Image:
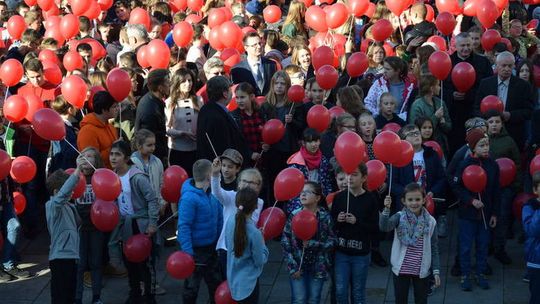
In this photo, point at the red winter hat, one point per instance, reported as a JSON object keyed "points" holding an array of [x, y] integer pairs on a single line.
{"points": [[474, 136]]}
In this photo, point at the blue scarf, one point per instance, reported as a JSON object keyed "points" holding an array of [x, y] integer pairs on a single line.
{"points": [[411, 227]]}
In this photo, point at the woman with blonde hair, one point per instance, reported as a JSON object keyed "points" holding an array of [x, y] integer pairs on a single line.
{"points": [[301, 56], [294, 22], [376, 55]]}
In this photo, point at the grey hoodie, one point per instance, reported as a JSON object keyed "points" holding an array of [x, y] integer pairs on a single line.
{"points": [[63, 222]]}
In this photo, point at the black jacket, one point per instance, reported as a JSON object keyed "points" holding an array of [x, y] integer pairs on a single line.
{"points": [[151, 116], [242, 73]]}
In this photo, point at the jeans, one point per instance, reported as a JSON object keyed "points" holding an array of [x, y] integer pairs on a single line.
{"points": [[11, 224], [91, 258], [534, 285], [473, 231], [207, 268], [222, 256], [306, 289], [63, 280], [351, 267], [401, 288], [504, 219]]}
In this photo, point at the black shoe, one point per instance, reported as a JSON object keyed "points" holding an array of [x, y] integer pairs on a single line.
{"points": [[503, 257], [4, 277], [377, 259], [456, 270], [17, 272], [488, 271]]}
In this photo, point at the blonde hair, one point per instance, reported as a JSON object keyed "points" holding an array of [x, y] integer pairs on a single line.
{"points": [[271, 97], [295, 16]]}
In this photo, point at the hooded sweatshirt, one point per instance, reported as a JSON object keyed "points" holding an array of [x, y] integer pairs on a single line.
{"points": [[97, 134]]}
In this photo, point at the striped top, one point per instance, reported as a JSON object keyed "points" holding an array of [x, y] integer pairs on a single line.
{"points": [[413, 259]]}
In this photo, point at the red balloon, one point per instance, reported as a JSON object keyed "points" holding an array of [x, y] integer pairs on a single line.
{"points": [[5, 164], [430, 205], [272, 132], [48, 124], [223, 294], [45, 4], [474, 178], [507, 171], [51, 21], [370, 10], [491, 102], [15, 108], [216, 17], [16, 26], [451, 6], [140, 16], [336, 15], [430, 13], [73, 61], [490, 38], [54, 11], [195, 5], [405, 155], [272, 14], [349, 151], [93, 11], [322, 55], [119, 84], [55, 33], [183, 34], [34, 103], [49, 55], [230, 57], [137, 248], [93, 91], [69, 25], [23, 169], [52, 72], [385, 146], [304, 225], [272, 220], [318, 118], [98, 51], [316, 18], [106, 184], [463, 76], [81, 185], [193, 19], [78, 7], [382, 29], [230, 34], [439, 42], [142, 57], [296, 93], [30, 3], [469, 8], [487, 12], [535, 165], [435, 146], [19, 202], [376, 174], [519, 202], [440, 65], [11, 72], [445, 23], [357, 64], [104, 215], [358, 7], [214, 39], [105, 4], [288, 184], [173, 179], [327, 77], [392, 127], [74, 90], [159, 54], [180, 265], [335, 111], [397, 6]]}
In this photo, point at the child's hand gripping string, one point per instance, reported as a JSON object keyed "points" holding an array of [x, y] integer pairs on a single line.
{"points": [[388, 202]]}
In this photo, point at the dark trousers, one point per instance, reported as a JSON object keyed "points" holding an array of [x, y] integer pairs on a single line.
{"points": [[184, 159], [253, 298], [207, 268], [401, 288], [137, 273], [274, 161], [222, 256], [91, 258], [505, 218], [534, 285], [63, 280]]}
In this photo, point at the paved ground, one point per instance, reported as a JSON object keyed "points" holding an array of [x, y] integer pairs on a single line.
{"points": [[506, 283]]}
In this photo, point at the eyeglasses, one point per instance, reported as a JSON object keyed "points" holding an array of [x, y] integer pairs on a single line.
{"points": [[413, 133], [250, 182]]}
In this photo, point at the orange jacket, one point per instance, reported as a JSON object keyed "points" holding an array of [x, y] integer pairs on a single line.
{"points": [[97, 134]]}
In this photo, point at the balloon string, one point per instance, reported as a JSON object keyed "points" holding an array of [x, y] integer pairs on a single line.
{"points": [[257, 162], [29, 144], [168, 219], [89, 162], [6, 133], [82, 113], [390, 181], [301, 258], [401, 31], [482, 211], [120, 118], [269, 215], [211, 145], [348, 190]]}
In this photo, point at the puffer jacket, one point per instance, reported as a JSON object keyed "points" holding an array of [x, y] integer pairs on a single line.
{"points": [[531, 225], [200, 218]]}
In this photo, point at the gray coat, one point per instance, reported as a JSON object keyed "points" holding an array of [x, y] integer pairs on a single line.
{"points": [[63, 222]]}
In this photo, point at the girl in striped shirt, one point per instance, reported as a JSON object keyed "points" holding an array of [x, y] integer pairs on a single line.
{"points": [[414, 250]]}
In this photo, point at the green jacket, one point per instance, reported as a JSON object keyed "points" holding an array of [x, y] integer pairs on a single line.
{"points": [[420, 108], [503, 145]]}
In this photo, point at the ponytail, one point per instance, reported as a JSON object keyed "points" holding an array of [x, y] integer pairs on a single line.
{"points": [[246, 202]]}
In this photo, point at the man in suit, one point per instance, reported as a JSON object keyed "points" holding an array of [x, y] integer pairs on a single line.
{"points": [[460, 105], [215, 120], [255, 69], [515, 94]]}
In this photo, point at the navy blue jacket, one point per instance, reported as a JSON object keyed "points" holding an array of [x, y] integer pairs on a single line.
{"points": [[435, 177], [531, 225], [490, 196], [64, 156]]}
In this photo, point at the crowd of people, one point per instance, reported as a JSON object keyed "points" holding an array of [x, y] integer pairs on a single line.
{"points": [[206, 110]]}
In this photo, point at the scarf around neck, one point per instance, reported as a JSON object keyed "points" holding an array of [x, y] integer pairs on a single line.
{"points": [[313, 161], [411, 227]]}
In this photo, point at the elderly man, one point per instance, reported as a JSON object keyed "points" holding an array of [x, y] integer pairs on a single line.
{"points": [[515, 93], [137, 37], [212, 67]]}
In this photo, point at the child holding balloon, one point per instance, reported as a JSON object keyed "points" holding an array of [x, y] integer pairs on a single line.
{"points": [[308, 261], [415, 247], [356, 217], [478, 206], [247, 252]]}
